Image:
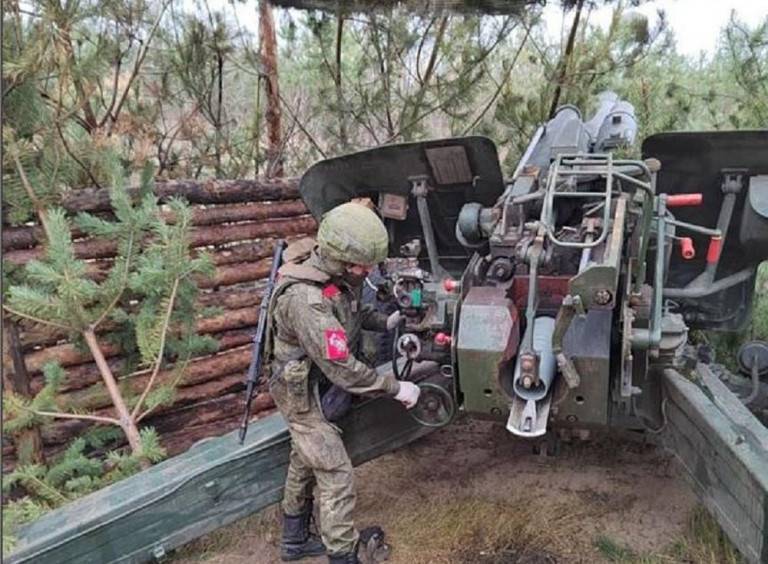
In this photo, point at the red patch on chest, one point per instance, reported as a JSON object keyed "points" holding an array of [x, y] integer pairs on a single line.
{"points": [[331, 291], [336, 347]]}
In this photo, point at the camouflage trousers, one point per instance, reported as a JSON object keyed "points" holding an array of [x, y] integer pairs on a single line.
{"points": [[318, 457]]}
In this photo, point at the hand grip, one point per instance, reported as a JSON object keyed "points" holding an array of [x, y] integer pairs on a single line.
{"points": [[682, 200], [713, 252], [687, 250]]}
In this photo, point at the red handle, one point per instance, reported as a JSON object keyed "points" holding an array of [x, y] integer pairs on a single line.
{"points": [[713, 252], [686, 248], [681, 200], [450, 285], [442, 339]]}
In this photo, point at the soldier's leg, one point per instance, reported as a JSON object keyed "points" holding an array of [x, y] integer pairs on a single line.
{"points": [[336, 500], [319, 444], [298, 539], [298, 484]]}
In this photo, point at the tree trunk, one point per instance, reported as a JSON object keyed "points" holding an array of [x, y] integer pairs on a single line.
{"points": [[268, 51], [199, 237], [563, 66], [127, 423], [28, 442]]}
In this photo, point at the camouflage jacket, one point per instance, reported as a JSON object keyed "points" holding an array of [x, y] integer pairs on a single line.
{"points": [[312, 317]]}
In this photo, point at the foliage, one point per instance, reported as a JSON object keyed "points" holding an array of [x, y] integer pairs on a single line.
{"points": [[148, 294], [79, 470], [185, 87]]}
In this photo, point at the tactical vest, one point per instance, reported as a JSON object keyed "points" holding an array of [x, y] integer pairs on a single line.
{"points": [[290, 274], [334, 401]]}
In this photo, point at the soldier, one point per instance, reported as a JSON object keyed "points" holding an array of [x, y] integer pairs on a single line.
{"points": [[316, 320]]}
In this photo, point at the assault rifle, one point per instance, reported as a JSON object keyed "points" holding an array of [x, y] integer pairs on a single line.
{"points": [[254, 369]]}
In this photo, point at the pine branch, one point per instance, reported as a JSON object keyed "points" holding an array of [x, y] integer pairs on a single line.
{"points": [[38, 205], [123, 286], [37, 319], [61, 415], [137, 65], [507, 75], [159, 360]]}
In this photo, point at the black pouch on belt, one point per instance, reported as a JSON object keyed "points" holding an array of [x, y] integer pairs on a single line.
{"points": [[335, 402]]}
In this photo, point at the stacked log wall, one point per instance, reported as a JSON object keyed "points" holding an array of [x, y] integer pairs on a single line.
{"points": [[237, 222]]}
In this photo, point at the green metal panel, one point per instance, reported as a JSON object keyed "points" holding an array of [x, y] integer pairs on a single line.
{"points": [[215, 482], [588, 343], [724, 448], [488, 336]]}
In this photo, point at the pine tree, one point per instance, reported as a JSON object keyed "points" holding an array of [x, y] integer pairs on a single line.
{"points": [[148, 293]]}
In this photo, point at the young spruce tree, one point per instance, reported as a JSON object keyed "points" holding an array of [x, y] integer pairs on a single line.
{"points": [[147, 298]]}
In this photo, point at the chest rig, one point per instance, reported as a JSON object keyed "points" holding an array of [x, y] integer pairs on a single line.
{"points": [[344, 304]]}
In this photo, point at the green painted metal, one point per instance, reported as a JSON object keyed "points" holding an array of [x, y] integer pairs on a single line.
{"points": [[588, 343], [488, 336], [214, 483], [724, 449]]}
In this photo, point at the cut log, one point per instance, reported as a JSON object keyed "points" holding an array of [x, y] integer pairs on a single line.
{"points": [[26, 236], [231, 274], [198, 372], [232, 319], [66, 355], [203, 236], [84, 375], [232, 298], [195, 192]]}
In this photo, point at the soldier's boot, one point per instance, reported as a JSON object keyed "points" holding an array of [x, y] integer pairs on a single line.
{"points": [[343, 558], [298, 539], [370, 544]]}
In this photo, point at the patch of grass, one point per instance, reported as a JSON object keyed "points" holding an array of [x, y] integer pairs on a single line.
{"points": [[614, 552], [704, 542], [471, 529], [760, 313], [236, 539]]}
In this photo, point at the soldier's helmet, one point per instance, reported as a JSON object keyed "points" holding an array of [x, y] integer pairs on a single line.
{"points": [[354, 234]]}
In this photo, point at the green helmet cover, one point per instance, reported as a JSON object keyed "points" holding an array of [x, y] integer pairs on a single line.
{"points": [[354, 234]]}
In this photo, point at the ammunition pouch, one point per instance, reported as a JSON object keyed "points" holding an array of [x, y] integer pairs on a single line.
{"points": [[295, 374]]}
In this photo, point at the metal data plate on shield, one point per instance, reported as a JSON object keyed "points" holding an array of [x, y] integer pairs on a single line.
{"points": [[393, 206], [450, 165]]}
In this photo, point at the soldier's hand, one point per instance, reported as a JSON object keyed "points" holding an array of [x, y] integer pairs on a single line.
{"points": [[394, 320], [408, 394]]}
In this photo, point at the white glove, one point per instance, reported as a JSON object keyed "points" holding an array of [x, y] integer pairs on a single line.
{"points": [[408, 394], [394, 320]]}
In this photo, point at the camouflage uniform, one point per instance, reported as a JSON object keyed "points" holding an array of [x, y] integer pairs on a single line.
{"points": [[316, 328]]}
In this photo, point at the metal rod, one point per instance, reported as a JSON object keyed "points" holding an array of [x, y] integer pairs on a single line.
{"points": [[694, 228], [650, 339], [715, 287], [528, 151], [429, 235]]}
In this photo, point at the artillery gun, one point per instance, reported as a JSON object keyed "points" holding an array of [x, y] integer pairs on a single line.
{"points": [[558, 302]]}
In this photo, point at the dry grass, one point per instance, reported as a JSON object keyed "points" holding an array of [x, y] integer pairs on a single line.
{"points": [[235, 541], [470, 529], [704, 542]]}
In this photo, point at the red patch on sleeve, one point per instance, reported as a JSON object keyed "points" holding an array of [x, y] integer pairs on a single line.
{"points": [[331, 291], [336, 344]]}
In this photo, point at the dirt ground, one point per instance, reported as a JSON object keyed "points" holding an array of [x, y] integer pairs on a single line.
{"points": [[473, 493]]}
